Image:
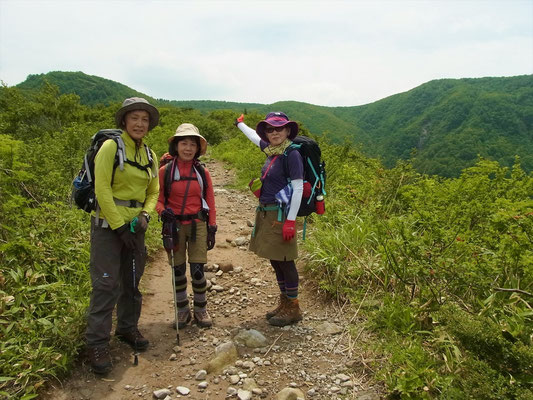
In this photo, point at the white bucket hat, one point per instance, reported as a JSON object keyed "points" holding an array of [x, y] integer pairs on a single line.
{"points": [[187, 129]]}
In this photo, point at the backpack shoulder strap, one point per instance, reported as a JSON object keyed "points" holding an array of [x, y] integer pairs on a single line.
{"points": [[120, 156], [121, 152], [201, 170], [286, 153], [150, 159], [169, 177]]}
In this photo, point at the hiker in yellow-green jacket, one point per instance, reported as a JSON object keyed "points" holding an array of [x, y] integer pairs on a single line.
{"points": [[126, 194]]}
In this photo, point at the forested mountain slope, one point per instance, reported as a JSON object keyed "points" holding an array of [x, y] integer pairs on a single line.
{"points": [[92, 89], [443, 125]]}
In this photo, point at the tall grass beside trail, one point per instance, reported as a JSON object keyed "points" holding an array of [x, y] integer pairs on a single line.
{"points": [[451, 263]]}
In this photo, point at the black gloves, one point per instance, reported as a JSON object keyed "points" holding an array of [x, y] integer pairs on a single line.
{"points": [[211, 232], [167, 215], [126, 236], [142, 222]]}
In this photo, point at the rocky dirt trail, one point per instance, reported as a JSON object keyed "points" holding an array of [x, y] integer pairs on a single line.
{"points": [[314, 359]]}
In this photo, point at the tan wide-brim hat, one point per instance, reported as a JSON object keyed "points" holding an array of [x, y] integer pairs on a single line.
{"points": [[133, 104], [187, 129]]}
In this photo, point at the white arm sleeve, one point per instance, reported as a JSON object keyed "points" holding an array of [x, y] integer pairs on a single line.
{"points": [[250, 133], [296, 199]]}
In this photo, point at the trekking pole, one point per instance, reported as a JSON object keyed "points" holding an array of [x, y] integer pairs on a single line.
{"points": [[135, 351], [175, 295]]}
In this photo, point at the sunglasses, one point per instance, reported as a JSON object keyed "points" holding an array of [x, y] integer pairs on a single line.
{"points": [[270, 129]]}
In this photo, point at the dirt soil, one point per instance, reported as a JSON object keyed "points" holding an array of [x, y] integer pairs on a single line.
{"points": [[318, 355]]}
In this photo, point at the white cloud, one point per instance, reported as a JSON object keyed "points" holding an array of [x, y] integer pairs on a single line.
{"points": [[320, 52]]}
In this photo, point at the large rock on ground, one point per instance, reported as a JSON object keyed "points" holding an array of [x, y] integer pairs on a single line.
{"points": [[290, 394], [225, 354]]}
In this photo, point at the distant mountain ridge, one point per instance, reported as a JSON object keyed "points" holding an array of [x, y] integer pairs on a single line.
{"points": [[444, 124]]}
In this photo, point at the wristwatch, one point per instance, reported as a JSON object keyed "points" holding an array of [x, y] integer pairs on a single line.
{"points": [[146, 215]]}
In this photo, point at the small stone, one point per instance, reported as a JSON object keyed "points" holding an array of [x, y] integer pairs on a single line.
{"points": [[184, 391], [244, 394], [200, 375], [248, 365], [240, 241], [251, 338], [203, 385], [342, 377], [161, 393], [226, 267], [249, 384], [328, 328], [173, 357]]}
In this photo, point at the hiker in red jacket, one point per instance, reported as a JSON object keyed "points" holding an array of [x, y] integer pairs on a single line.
{"points": [[186, 203], [274, 236]]}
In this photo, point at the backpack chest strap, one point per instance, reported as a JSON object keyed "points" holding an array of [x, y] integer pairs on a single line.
{"points": [[128, 203]]}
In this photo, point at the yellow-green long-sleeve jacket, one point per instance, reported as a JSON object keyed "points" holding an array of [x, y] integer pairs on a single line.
{"points": [[131, 183]]}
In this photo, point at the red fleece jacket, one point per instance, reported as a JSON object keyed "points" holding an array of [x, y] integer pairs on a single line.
{"points": [[193, 202]]}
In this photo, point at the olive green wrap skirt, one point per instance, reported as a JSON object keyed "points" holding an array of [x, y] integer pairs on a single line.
{"points": [[267, 238]]}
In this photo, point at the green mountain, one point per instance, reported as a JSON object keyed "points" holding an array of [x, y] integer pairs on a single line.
{"points": [[442, 125], [92, 89], [450, 119]]}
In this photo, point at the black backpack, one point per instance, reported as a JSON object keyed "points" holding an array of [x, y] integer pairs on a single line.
{"points": [[314, 172], [83, 185]]}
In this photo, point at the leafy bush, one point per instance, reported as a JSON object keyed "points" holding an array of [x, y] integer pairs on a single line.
{"points": [[417, 244]]}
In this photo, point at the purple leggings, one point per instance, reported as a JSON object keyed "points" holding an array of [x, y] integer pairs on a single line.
{"points": [[287, 277]]}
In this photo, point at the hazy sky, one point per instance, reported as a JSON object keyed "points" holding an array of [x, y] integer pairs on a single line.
{"points": [[334, 53]]}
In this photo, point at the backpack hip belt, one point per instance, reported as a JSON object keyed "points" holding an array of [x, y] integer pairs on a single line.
{"points": [[201, 215]]}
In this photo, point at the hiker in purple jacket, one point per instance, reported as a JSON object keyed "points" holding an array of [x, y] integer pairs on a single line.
{"points": [[274, 235]]}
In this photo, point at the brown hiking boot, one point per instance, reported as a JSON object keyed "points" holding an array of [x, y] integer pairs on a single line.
{"points": [[288, 315], [184, 317], [202, 319], [100, 359], [283, 300], [134, 338]]}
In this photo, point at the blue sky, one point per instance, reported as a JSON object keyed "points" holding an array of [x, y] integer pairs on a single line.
{"points": [[333, 53]]}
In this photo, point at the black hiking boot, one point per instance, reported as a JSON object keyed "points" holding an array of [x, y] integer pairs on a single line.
{"points": [[100, 359], [134, 338]]}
